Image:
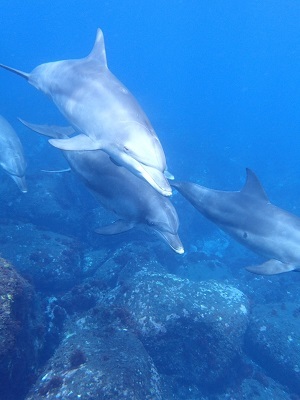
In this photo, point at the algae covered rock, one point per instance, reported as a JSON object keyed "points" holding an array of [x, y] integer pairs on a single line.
{"points": [[273, 340], [52, 202], [49, 260], [18, 337], [99, 358], [186, 326]]}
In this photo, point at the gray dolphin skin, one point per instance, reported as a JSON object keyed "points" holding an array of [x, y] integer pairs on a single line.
{"points": [[133, 200], [11, 154], [103, 112], [250, 218]]}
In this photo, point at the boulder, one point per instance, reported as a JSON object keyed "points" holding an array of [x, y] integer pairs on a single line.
{"points": [[49, 260], [184, 325], [53, 202], [20, 337], [99, 358], [273, 341]]}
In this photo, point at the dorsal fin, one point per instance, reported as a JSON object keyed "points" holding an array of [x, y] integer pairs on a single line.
{"points": [[98, 52], [253, 186], [53, 131]]}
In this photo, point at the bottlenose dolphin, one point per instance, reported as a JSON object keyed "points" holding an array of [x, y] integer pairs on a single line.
{"points": [[11, 154], [250, 218], [133, 200], [103, 112]]}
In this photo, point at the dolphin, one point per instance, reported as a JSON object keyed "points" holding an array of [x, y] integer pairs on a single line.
{"points": [[11, 154], [134, 201], [103, 112], [250, 218]]}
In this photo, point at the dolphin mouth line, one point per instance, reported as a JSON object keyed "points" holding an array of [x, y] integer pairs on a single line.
{"points": [[179, 249]]}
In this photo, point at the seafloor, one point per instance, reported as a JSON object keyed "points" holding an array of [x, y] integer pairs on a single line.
{"points": [[87, 317]]}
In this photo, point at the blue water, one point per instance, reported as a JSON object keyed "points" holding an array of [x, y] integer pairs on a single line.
{"points": [[219, 80]]}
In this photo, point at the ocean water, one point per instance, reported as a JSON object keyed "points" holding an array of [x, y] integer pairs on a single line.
{"points": [[220, 82]]}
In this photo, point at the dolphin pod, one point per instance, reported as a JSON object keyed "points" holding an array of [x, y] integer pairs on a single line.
{"points": [[134, 201], [114, 145], [11, 154], [250, 218], [103, 112]]}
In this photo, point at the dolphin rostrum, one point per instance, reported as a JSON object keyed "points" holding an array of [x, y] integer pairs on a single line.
{"points": [[133, 200], [11, 154], [103, 112], [250, 218]]}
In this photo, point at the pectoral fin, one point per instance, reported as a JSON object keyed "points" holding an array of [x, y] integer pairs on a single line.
{"points": [[76, 143], [116, 227], [271, 267], [57, 171]]}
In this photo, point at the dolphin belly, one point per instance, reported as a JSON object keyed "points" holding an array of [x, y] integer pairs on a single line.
{"points": [[12, 158]]}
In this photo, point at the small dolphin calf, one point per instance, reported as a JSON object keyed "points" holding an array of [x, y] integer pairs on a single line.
{"points": [[250, 218], [103, 112], [11, 154], [134, 201]]}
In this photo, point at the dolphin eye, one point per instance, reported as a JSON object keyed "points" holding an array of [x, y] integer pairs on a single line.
{"points": [[126, 148]]}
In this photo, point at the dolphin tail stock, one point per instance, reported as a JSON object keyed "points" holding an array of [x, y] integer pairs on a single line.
{"points": [[183, 187], [52, 131], [271, 267], [175, 184], [16, 71]]}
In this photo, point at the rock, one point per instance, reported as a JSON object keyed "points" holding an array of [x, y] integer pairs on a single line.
{"points": [[185, 326], [98, 359], [19, 336], [49, 260], [82, 297], [53, 202], [273, 341], [249, 381], [125, 261], [259, 388]]}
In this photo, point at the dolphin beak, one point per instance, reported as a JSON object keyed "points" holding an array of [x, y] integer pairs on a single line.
{"points": [[173, 241], [156, 179], [16, 71], [20, 181]]}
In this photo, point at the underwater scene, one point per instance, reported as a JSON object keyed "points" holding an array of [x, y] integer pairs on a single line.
{"points": [[150, 200]]}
